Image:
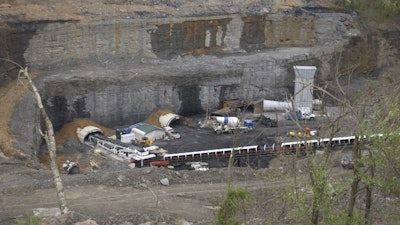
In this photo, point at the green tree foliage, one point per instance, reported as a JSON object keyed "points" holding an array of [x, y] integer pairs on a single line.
{"points": [[378, 168], [385, 147], [380, 7], [31, 220], [319, 201], [235, 203]]}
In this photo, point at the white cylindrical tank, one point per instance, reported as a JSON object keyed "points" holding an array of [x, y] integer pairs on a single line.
{"points": [[273, 106], [230, 121]]}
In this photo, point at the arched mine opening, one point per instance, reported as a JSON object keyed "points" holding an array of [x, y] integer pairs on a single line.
{"points": [[84, 133], [69, 144]]}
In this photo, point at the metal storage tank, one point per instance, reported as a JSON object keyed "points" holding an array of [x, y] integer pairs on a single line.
{"points": [[303, 86], [276, 106]]}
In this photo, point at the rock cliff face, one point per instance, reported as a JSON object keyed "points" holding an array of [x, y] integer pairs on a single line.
{"points": [[60, 42], [117, 71]]}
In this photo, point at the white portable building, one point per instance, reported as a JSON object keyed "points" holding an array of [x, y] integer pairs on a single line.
{"points": [[128, 138], [146, 130]]}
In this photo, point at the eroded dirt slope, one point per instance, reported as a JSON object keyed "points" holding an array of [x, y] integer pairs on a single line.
{"points": [[105, 9], [10, 93]]}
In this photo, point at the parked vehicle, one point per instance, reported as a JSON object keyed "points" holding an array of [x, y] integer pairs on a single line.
{"points": [[171, 133], [231, 125], [347, 161], [144, 142], [268, 122], [71, 167], [308, 116], [303, 113]]}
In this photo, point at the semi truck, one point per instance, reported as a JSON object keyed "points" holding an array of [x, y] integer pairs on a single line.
{"points": [[231, 124]]}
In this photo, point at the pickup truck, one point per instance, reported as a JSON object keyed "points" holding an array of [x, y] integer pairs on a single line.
{"points": [[300, 116]]}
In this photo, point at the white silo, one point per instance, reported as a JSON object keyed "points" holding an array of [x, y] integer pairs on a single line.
{"points": [[303, 86]]}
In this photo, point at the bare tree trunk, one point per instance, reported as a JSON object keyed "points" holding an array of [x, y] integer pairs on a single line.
{"points": [[51, 145], [368, 203], [356, 180], [369, 189], [316, 199], [353, 193], [315, 211]]}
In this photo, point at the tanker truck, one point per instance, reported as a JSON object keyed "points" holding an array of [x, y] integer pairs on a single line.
{"points": [[231, 124]]}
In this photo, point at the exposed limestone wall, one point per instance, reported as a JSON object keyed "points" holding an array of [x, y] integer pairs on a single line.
{"points": [[187, 86], [60, 43]]}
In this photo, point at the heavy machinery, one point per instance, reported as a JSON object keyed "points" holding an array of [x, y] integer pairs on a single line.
{"points": [[71, 167], [144, 142], [268, 122]]}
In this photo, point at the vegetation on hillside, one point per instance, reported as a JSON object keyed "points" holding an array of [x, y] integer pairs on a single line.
{"points": [[371, 114], [380, 8]]}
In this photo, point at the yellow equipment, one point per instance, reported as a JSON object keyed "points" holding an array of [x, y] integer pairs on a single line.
{"points": [[299, 134], [145, 142]]}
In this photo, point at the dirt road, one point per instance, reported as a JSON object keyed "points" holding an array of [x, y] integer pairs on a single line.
{"points": [[191, 201], [192, 195], [194, 202]]}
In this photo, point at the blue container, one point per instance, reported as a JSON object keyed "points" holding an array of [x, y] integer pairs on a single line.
{"points": [[249, 124], [127, 130]]}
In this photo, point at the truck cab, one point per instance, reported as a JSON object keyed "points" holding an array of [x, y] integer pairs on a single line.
{"points": [[308, 116], [303, 113]]}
